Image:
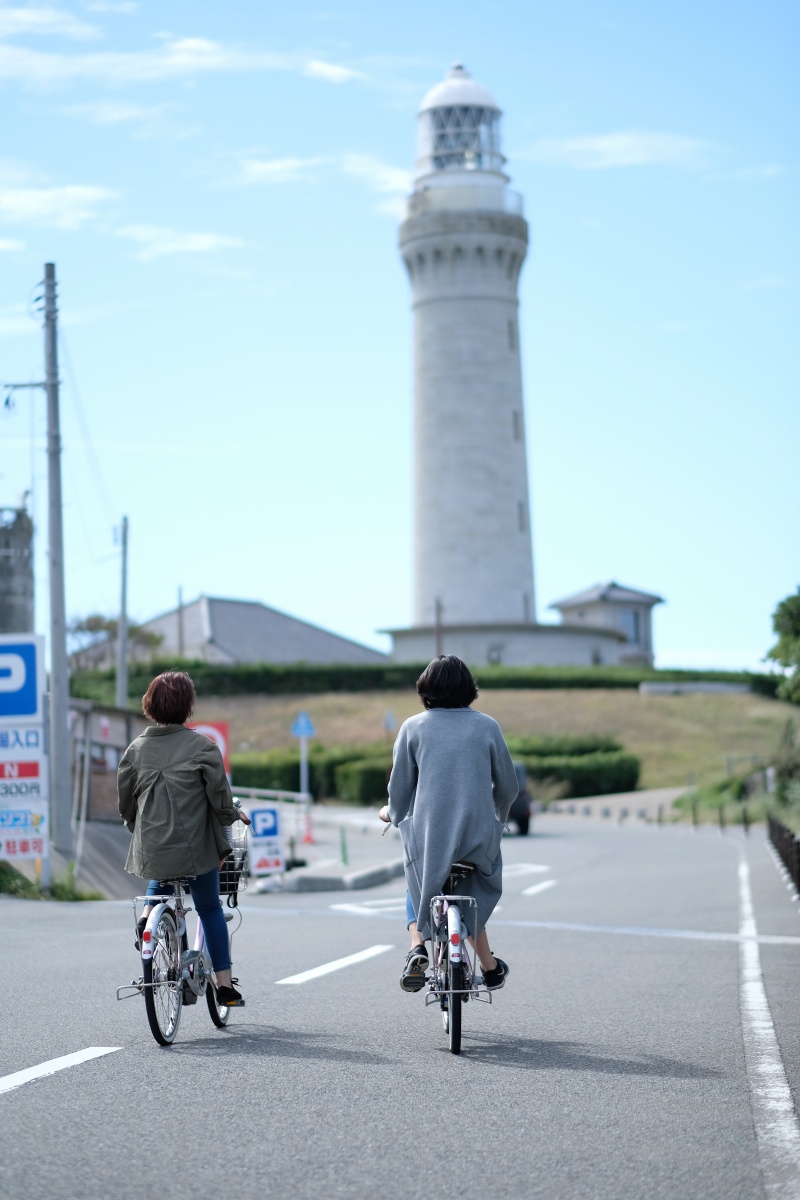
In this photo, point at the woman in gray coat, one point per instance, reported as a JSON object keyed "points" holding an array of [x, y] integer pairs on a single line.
{"points": [[175, 799], [450, 791]]}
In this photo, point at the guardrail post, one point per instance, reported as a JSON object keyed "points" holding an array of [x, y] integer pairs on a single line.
{"points": [[722, 818], [745, 820], [695, 816]]}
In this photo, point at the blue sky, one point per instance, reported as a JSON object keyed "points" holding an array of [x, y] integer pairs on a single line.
{"points": [[219, 188]]}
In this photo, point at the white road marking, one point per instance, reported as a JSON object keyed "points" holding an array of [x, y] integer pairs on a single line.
{"points": [[370, 907], [336, 965], [535, 888], [512, 869], [9, 1082], [774, 1117], [692, 935]]}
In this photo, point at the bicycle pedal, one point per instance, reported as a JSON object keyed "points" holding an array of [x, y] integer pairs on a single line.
{"points": [[228, 916]]}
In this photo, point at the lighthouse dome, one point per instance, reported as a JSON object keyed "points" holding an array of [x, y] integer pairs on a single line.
{"points": [[459, 131]]}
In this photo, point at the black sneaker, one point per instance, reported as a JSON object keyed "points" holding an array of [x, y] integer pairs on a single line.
{"points": [[228, 997], [492, 980], [413, 977]]}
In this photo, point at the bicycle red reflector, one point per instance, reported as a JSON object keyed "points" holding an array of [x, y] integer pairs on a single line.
{"points": [[455, 939], [146, 936]]}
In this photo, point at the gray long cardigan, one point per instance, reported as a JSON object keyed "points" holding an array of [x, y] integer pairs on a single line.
{"points": [[175, 799], [450, 791]]}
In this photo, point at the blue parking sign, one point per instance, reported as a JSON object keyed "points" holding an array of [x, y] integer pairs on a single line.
{"points": [[21, 676]]}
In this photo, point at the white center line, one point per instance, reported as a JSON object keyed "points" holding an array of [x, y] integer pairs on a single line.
{"points": [[776, 1124], [535, 888], [336, 965], [9, 1082]]}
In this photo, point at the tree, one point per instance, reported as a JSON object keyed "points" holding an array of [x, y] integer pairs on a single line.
{"points": [[93, 641], [786, 651]]}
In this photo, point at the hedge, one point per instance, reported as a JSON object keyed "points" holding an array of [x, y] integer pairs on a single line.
{"points": [[586, 774], [280, 769], [363, 782], [216, 679], [548, 746]]}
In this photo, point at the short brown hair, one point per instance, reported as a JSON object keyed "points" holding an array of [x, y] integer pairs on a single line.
{"points": [[170, 698], [447, 682]]}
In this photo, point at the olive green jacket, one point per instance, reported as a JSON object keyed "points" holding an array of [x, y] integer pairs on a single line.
{"points": [[175, 799]]}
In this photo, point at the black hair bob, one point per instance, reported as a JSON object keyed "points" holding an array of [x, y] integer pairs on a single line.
{"points": [[447, 682]]}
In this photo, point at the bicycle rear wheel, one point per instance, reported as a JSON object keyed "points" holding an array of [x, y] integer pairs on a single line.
{"points": [[219, 1013], [455, 984], [162, 980]]}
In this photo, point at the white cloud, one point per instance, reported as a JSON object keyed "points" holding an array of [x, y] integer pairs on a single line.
{"points": [[15, 319], [766, 171], [330, 72], [64, 206], [765, 283], [46, 21], [380, 177], [10, 245], [111, 112], [112, 6], [279, 170], [603, 151], [176, 58], [156, 241]]}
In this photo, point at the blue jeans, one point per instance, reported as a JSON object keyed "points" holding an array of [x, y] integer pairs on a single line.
{"points": [[205, 893], [410, 914]]}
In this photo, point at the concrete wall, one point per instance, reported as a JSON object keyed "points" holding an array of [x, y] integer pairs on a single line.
{"points": [[511, 645], [472, 539], [612, 614]]}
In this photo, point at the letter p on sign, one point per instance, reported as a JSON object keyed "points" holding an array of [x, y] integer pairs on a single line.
{"points": [[20, 686]]}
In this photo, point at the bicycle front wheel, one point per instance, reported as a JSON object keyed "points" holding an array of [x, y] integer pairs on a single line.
{"points": [[162, 980], [455, 985]]}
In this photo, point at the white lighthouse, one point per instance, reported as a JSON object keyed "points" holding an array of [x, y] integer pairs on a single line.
{"points": [[463, 242]]}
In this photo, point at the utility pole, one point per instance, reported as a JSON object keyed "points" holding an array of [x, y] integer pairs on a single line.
{"points": [[122, 628], [437, 629], [181, 647], [60, 784]]}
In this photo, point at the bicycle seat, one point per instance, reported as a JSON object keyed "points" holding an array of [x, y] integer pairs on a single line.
{"points": [[460, 869]]}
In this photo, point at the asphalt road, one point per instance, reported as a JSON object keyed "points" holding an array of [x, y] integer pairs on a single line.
{"points": [[623, 1059]]}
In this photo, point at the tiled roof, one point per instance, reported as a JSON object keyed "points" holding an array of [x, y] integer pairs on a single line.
{"points": [[252, 633], [611, 591]]}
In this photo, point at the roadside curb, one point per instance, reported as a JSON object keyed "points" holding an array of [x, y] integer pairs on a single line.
{"points": [[369, 877]]}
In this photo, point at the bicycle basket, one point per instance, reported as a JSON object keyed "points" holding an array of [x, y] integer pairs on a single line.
{"points": [[233, 873]]}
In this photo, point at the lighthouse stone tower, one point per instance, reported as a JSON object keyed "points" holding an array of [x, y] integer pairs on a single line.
{"points": [[464, 241]]}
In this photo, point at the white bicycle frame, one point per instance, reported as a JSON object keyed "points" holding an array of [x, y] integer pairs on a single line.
{"points": [[195, 963], [446, 910]]}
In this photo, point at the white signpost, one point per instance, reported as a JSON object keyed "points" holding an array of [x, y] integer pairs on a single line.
{"points": [[24, 790], [303, 729]]}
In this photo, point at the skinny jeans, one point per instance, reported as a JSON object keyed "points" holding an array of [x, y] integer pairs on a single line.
{"points": [[205, 893]]}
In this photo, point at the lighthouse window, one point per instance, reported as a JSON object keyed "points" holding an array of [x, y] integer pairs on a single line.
{"points": [[516, 421], [463, 137], [512, 335]]}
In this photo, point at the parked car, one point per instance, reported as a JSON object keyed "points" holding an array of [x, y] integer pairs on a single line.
{"points": [[520, 812]]}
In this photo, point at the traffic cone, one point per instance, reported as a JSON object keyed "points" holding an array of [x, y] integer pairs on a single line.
{"points": [[308, 837]]}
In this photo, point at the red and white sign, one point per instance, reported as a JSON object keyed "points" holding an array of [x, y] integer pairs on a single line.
{"points": [[217, 731], [19, 770]]}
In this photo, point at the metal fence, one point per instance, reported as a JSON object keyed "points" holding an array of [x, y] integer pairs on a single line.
{"points": [[787, 845]]}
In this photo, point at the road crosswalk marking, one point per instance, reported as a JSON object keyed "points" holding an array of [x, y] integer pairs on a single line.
{"points": [[9, 1082], [535, 888], [336, 965]]}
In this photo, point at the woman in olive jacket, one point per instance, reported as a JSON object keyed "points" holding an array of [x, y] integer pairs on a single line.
{"points": [[175, 799]]}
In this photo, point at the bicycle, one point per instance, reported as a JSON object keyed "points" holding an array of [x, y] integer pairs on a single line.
{"points": [[173, 976], [454, 979]]}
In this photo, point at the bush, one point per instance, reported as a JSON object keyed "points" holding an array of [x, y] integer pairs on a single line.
{"points": [[548, 746], [597, 774], [363, 782], [270, 679], [280, 769], [14, 883]]}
